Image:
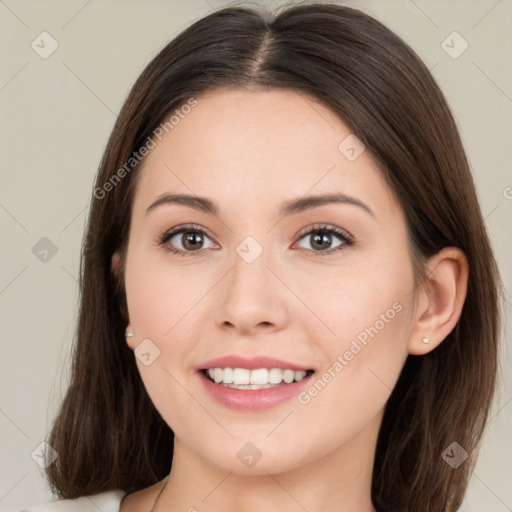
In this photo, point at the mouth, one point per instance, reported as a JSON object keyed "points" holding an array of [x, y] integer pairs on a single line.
{"points": [[253, 384], [254, 379]]}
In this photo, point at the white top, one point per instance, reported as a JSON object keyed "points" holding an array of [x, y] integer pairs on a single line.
{"points": [[108, 501]]}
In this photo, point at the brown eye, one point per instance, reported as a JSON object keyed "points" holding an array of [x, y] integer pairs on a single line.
{"points": [[184, 240], [322, 237], [192, 240]]}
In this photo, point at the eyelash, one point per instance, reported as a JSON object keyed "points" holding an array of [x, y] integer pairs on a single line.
{"points": [[320, 228]]}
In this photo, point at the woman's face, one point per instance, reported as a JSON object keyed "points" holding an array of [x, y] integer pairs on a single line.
{"points": [[259, 288]]}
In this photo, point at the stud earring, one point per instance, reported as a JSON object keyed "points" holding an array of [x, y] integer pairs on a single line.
{"points": [[425, 340], [128, 334]]}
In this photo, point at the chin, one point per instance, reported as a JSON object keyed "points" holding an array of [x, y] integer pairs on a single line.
{"points": [[258, 454]]}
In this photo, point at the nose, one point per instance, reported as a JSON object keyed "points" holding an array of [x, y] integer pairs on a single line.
{"points": [[251, 298]]}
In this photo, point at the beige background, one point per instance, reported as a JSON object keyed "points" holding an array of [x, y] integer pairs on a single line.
{"points": [[56, 115]]}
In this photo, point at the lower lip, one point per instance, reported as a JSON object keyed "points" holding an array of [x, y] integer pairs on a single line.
{"points": [[253, 399]]}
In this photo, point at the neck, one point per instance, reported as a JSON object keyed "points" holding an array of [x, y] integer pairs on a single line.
{"points": [[339, 481]]}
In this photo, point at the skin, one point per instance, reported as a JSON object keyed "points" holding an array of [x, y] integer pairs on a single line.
{"points": [[248, 151]]}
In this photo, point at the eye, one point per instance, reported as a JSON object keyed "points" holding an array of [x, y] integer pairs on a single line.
{"points": [[192, 242], [194, 239], [321, 238]]}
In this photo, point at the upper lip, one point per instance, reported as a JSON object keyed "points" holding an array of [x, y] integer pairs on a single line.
{"points": [[252, 363]]}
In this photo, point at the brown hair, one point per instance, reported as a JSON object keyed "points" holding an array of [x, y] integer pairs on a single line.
{"points": [[108, 433]]}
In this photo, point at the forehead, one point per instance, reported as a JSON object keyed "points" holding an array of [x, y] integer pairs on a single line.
{"points": [[243, 146]]}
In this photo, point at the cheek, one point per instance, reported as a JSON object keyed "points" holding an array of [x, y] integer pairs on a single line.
{"points": [[363, 301], [159, 297], [365, 333], [364, 362], [159, 293], [165, 306]]}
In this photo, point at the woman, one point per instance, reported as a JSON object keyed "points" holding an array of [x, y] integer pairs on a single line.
{"points": [[288, 296]]}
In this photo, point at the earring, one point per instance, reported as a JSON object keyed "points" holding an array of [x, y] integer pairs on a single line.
{"points": [[425, 340], [128, 334]]}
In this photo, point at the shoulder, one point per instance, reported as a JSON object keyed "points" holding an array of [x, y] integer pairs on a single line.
{"points": [[108, 501]]}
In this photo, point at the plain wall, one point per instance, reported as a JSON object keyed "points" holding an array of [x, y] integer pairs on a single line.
{"points": [[56, 116]]}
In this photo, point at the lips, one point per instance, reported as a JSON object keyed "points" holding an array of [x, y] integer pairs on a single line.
{"points": [[252, 383], [252, 363]]}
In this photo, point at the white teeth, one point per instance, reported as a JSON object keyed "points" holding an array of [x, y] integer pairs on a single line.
{"points": [[275, 376], [261, 378], [288, 376], [227, 376], [240, 375], [218, 375], [300, 375]]}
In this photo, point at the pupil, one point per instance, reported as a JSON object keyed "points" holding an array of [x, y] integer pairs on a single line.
{"points": [[319, 238], [190, 238]]}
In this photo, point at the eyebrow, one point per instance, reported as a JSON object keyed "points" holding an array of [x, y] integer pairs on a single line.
{"points": [[288, 208]]}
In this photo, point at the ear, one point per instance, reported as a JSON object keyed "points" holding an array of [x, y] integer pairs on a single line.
{"points": [[115, 267], [130, 339], [440, 300]]}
